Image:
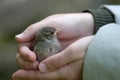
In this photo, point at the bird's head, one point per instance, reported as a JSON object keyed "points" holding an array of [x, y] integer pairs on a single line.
{"points": [[47, 33]]}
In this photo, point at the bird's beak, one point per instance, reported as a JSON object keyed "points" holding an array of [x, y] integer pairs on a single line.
{"points": [[56, 32]]}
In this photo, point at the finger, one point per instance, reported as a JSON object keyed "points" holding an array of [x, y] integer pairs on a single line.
{"points": [[28, 44], [56, 61], [71, 71], [75, 51], [25, 64], [26, 53], [26, 75], [36, 75], [29, 33], [65, 73]]}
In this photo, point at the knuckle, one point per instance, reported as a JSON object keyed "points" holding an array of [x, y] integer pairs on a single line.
{"points": [[24, 53], [18, 58], [26, 56], [24, 64], [20, 49], [21, 62]]}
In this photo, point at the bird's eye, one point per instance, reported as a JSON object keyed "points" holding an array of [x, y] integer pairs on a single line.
{"points": [[52, 33]]}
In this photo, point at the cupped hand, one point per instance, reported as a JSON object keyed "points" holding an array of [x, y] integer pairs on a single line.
{"points": [[72, 27], [66, 65]]}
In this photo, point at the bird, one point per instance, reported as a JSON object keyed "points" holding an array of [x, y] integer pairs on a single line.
{"points": [[46, 43]]}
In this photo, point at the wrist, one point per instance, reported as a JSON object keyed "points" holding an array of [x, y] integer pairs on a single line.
{"points": [[101, 17], [88, 21]]}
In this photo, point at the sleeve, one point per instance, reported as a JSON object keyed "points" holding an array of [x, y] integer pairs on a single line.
{"points": [[102, 61], [104, 15], [101, 17]]}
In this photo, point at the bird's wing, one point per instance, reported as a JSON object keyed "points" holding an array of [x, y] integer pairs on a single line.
{"points": [[42, 50]]}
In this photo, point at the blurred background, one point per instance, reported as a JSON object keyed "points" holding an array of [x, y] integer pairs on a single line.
{"points": [[16, 15]]}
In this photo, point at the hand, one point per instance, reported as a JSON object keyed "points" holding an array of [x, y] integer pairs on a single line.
{"points": [[73, 26], [66, 65]]}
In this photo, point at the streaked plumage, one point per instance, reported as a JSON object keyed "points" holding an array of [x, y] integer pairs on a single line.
{"points": [[46, 43]]}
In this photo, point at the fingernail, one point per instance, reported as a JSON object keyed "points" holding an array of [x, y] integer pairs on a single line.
{"points": [[43, 67], [19, 35]]}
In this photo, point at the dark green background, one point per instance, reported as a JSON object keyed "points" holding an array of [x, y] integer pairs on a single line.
{"points": [[16, 15]]}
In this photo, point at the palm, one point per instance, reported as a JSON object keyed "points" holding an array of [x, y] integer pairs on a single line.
{"points": [[69, 34], [71, 27]]}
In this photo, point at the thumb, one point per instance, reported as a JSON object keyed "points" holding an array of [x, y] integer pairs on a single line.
{"points": [[29, 33], [76, 51], [58, 60]]}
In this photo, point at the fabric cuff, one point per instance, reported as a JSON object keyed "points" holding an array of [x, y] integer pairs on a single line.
{"points": [[101, 17]]}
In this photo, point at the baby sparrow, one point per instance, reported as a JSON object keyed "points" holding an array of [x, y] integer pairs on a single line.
{"points": [[46, 43]]}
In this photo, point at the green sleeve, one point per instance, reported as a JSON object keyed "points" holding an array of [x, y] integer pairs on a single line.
{"points": [[101, 16], [102, 61]]}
